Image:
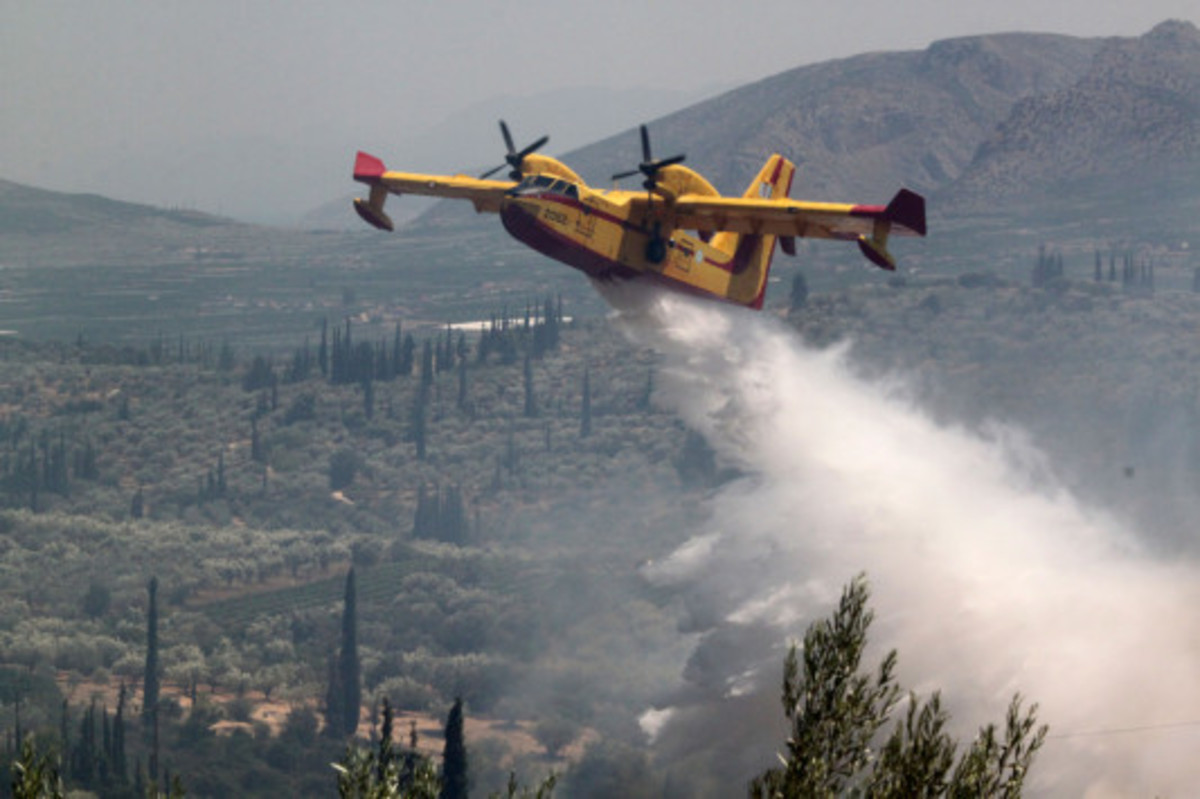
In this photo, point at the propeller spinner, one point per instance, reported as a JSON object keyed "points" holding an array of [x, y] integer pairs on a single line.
{"points": [[515, 158]]}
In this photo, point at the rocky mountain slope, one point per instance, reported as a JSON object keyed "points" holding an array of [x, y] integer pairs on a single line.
{"points": [[1015, 138], [859, 127], [1132, 119]]}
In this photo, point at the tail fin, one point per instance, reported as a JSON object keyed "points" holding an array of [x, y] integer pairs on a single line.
{"points": [[752, 253], [906, 211], [369, 169]]}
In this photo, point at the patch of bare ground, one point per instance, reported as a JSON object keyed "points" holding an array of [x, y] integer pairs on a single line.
{"points": [[518, 737], [279, 582]]}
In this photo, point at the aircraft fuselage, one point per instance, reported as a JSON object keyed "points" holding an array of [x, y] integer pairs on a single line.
{"points": [[596, 233]]}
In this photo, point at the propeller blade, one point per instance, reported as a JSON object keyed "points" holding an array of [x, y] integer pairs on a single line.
{"points": [[515, 158], [537, 145], [649, 167], [492, 171], [508, 139]]}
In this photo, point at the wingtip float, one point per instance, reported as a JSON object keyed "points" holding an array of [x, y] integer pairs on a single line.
{"points": [[679, 231]]}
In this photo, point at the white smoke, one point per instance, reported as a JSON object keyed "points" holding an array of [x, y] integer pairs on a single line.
{"points": [[986, 576]]}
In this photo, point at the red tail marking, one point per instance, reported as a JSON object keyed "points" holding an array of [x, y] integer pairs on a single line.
{"points": [[368, 168]]}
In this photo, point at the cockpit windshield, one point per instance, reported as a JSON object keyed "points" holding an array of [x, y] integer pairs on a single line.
{"points": [[545, 184]]}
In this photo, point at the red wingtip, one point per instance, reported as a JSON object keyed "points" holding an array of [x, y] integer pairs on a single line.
{"points": [[367, 168]]}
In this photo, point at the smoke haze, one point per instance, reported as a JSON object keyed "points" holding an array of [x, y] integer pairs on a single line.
{"points": [[985, 580]]}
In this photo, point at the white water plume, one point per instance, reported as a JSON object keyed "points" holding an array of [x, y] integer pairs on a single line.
{"points": [[986, 576]]}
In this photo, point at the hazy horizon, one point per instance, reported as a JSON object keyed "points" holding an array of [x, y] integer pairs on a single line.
{"points": [[255, 112]]}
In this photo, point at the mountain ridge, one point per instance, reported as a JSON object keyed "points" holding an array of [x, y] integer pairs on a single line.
{"points": [[865, 124], [1096, 138], [1133, 115], [28, 209]]}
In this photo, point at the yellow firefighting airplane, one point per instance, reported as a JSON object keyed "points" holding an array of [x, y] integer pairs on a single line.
{"points": [[680, 231]]}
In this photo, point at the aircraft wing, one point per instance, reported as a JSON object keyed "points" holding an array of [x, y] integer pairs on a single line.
{"points": [[486, 195], [904, 215]]}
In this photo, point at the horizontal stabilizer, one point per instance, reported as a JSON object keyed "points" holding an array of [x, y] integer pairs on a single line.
{"points": [[876, 252], [373, 216], [371, 210]]}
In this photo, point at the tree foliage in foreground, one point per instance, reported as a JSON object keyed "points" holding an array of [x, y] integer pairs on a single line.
{"points": [[836, 712], [384, 773]]}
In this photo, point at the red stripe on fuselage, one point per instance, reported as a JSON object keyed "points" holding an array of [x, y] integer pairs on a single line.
{"points": [[526, 227], [735, 263]]}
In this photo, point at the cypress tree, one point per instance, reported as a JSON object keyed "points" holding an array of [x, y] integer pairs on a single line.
{"points": [[550, 322], [452, 520], [106, 747], [383, 362], [368, 392], [334, 712], [120, 767], [64, 731], [257, 454], [531, 410], [397, 358], [323, 349], [426, 367], [454, 756], [348, 665], [462, 384], [150, 680], [137, 506], [585, 415], [421, 519], [417, 424], [406, 355], [386, 755], [799, 293]]}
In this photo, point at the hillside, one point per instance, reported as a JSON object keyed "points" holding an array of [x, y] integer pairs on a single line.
{"points": [[1099, 373], [29, 210], [272, 486], [539, 616], [859, 127], [1016, 139], [1131, 121]]}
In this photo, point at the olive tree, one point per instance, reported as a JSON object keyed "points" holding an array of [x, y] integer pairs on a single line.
{"points": [[836, 713]]}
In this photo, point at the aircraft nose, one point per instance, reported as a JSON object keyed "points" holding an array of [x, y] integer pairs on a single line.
{"points": [[518, 219]]}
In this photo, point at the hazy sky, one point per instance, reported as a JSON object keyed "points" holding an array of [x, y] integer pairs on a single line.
{"points": [[235, 106]]}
